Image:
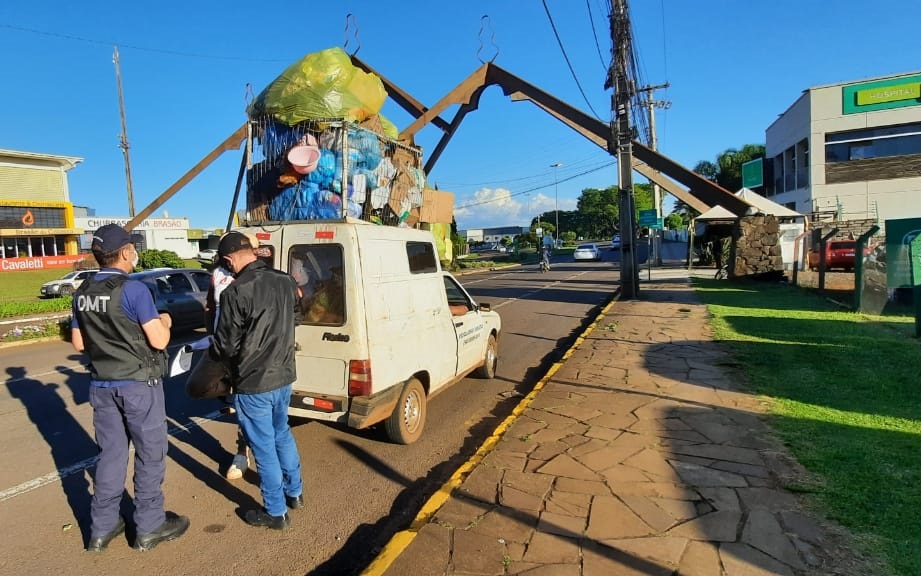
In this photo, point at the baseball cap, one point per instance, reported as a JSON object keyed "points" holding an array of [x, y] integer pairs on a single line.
{"points": [[110, 238], [234, 242]]}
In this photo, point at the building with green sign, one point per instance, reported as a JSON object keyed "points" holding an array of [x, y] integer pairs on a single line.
{"points": [[849, 151]]}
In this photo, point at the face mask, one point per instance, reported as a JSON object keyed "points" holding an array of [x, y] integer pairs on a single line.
{"points": [[134, 262]]}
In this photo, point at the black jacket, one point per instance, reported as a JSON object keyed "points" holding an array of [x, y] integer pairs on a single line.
{"points": [[255, 331]]}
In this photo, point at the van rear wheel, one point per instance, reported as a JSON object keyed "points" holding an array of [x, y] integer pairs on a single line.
{"points": [[405, 424], [490, 359]]}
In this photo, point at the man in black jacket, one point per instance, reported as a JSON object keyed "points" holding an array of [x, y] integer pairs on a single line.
{"points": [[254, 339]]}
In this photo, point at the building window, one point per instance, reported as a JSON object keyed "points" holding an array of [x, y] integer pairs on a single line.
{"points": [[20, 217], [881, 142]]}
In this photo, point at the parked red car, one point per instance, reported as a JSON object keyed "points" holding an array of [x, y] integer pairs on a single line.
{"points": [[838, 254]]}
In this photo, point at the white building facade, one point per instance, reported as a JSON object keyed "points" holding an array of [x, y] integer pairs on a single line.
{"points": [[155, 233], [849, 151]]}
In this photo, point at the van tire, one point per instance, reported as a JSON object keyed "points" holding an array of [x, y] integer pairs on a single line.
{"points": [[405, 424], [490, 359]]}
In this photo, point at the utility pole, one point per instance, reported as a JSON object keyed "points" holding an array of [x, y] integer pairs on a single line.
{"points": [[621, 144], [651, 104], [123, 140]]}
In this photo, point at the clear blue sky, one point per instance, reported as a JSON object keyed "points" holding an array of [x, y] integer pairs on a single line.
{"points": [[733, 67]]}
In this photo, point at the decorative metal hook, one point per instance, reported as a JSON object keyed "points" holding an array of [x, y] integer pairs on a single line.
{"points": [[486, 23], [248, 94], [351, 26]]}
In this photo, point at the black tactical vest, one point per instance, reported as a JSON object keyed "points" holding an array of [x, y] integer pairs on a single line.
{"points": [[116, 345]]}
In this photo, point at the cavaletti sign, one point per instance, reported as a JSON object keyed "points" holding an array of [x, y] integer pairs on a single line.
{"points": [[39, 262], [90, 224]]}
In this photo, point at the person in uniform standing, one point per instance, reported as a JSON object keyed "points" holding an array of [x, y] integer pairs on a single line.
{"points": [[117, 324]]}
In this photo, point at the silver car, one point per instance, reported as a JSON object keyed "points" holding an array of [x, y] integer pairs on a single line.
{"points": [[66, 285], [587, 252], [180, 291]]}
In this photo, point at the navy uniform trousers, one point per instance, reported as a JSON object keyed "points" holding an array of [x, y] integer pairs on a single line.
{"points": [[137, 412]]}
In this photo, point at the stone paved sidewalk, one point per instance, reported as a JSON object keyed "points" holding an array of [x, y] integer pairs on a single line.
{"points": [[638, 456]]}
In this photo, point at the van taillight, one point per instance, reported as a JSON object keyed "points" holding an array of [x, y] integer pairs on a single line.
{"points": [[359, 377]]}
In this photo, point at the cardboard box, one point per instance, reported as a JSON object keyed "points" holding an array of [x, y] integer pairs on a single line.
{"points": [[437, 206]]}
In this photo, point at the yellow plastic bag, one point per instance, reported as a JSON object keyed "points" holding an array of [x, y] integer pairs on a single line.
{"points": [[321, 85]]}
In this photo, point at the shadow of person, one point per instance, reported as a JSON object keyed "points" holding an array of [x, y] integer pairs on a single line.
{"points": [[72, 448], [199, 439]]}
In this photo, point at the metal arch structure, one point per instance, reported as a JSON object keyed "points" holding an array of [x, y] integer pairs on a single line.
{"points": [[691, 188]]}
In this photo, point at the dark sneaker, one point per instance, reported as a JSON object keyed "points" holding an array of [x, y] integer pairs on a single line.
{"points": [[263, 519], [100, 543], [295, 502], [173, 527]]}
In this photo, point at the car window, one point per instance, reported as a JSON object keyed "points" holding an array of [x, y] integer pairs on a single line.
{"points": [[202, 280], [179, 283], [456, 296], [586, 247], [163, 286]]}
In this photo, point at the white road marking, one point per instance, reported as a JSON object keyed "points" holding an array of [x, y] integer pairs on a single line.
{"points": [[62, 473]]}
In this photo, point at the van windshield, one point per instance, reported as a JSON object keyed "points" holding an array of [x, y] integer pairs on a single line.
{"points": [[318, 271]]}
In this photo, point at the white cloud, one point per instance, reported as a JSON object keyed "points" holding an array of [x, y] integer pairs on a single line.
{"points": [[489, 208]]}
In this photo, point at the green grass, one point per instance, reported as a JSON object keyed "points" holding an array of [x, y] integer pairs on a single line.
{"points": [[846, 391], [26, 284]]}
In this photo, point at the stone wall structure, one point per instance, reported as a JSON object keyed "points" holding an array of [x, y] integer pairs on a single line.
{"points": [[847, 229], [756, 246]]}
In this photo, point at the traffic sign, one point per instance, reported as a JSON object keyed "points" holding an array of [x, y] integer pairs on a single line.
{"points": [[647, 217], [657, 225]]}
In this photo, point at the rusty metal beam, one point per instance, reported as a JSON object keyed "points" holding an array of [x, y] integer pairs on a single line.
{"points": [[652, 175], [705, 193], [704, 190], [231, 143], [670, 186]]}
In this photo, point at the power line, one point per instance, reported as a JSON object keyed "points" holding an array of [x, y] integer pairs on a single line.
{"points": [[568, 63], [574, 176], [591, 20], [591, 161], [135, 47]]}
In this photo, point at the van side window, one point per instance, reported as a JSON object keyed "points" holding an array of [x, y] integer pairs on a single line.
{"points": [[458, 301], [421, 257], [318, 271]]}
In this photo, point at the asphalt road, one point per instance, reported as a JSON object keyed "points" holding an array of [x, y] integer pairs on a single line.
{"points": [[360, 489]]}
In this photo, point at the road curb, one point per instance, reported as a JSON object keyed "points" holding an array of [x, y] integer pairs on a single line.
{"points": [[401, 540]]}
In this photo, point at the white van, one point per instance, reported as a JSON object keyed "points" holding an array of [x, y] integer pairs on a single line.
{"points": [[381, 328]]}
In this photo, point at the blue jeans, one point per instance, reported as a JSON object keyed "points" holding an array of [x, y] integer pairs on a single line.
{"points": [[264, 419]]}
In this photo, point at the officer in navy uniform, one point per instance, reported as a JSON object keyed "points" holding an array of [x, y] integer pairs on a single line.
{"points": [[117, 324]]}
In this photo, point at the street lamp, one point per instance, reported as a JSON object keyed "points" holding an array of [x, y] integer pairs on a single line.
{"points": [[556, 199]]}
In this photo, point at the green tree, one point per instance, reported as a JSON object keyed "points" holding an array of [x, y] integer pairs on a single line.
{"points": [[674, 221], [149, 259], [599, 212], [727, 170]]}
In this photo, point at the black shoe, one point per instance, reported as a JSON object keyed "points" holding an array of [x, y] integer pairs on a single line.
{"points": [[262, 518], [173, 527], [100, 543], [295, 502]]}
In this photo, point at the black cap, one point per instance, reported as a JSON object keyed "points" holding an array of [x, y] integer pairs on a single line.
{"points": [[110, 238], [233, 242]]}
